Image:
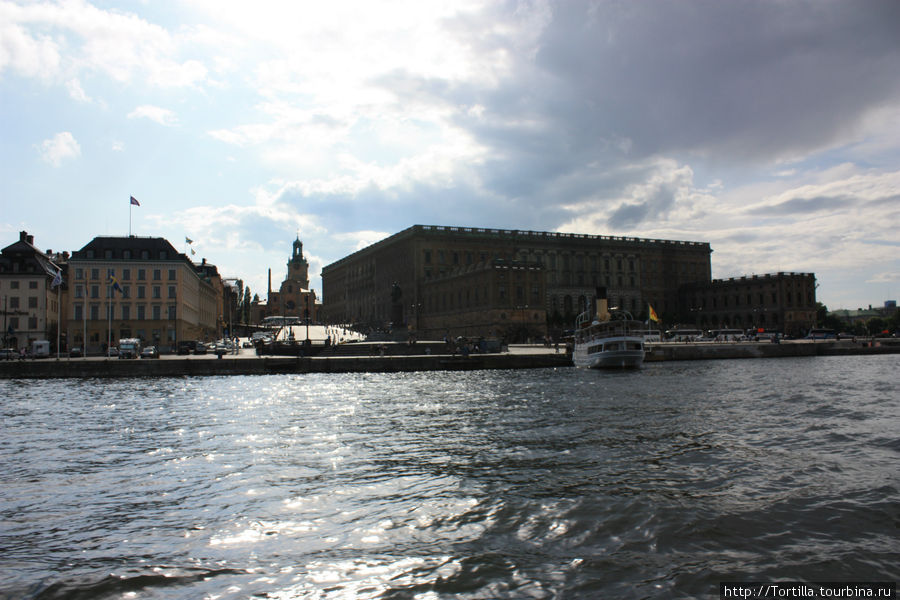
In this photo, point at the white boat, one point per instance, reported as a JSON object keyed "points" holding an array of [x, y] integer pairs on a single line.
{"points": [[608, 340]]}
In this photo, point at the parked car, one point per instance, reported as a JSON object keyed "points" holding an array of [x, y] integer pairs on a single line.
{"points": [[76, 352], [8, 354], [200, 348], [150, 352], [113, 351]]}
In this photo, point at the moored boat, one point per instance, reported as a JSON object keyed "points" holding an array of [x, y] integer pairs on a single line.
{"points": [[608, 339]]}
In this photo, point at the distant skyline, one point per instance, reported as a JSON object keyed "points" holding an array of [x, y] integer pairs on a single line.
{"points": [[769, 129]]}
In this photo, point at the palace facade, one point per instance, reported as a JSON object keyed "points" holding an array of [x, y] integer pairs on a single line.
{"points": [[784, 302], [435, 280]]}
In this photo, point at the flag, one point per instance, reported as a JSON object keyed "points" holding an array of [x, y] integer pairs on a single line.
{"points": [[653, 315], [115, 284], [188, 240], [57, 279], [134, 201], [192, 252]]}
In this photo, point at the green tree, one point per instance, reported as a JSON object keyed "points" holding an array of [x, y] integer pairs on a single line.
{"points": [[876, 325]]}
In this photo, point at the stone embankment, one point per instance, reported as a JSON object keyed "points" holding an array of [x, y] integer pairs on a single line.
{"points": [[395, 358]]}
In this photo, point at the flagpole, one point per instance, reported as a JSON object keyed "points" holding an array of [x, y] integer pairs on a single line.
{"points": [[57, 320], [109, 316], [129, 216]]}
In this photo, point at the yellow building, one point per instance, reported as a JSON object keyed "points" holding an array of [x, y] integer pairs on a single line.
{"points": [[28, 295], [139, 287]]}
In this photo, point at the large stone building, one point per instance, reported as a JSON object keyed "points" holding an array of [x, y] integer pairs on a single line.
{"points": [[784, 302], [140, 287], [30, 294], [471, 281]]}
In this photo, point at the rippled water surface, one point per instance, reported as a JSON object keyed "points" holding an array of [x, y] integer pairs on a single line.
{"points": [[557, 483]]}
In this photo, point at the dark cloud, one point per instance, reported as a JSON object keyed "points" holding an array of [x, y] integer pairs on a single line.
{"points": [[801, 206], [616, 83]]}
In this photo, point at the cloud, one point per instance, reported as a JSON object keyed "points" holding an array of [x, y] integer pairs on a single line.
{"points": [[59, 41], [163, 116], [59, 148]]}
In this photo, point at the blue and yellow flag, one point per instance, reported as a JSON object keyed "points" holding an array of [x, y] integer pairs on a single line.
{"points": [[115, 284]]}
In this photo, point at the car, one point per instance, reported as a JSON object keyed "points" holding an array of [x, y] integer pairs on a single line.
{"points": [[150, 352], [76, 352], [200, 348], [8, 354], [113, 351]]}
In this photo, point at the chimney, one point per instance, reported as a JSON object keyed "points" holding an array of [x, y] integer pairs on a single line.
{"points": [[23, 236], [30, 239], [270, 281], [602, 312]]}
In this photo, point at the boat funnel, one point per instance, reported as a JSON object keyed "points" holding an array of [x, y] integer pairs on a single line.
{"points": [[602, 309]]}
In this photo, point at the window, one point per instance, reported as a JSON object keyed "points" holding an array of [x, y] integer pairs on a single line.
{"points": [[142, 291], [157, 274], [95, 312], [156, 291], [126, 312], [79, 273], [32, 322], [171, 291], [141, 312], [428, 257], [95, 273], [32, 285], [126, 274], [78, 291], [95, 291], [126, 254], [14, 302], [171, 315], [142, 274], [79, 310], [171, 274], [156, 312], [32, 301]]}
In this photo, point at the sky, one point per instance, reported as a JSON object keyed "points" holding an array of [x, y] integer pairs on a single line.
{"points": [[768, 128]]}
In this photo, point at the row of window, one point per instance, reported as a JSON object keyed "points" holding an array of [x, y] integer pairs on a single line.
{"points": [[13, 302], [124, 312], [128, 254], [467, 257], [475, 296], [155, 291], [125, 275], [736, 300], [14, 284], [13, 324]]}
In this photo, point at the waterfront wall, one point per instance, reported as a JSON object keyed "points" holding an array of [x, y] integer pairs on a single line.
{"points": [[518, 359], [175, 367]]}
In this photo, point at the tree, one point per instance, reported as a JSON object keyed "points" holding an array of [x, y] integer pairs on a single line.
{"points": [[876, 325]]}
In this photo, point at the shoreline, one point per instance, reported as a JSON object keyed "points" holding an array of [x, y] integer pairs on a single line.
{"points": [[398, 359]]}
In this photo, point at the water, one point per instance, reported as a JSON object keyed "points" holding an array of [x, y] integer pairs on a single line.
{"points": [[496, 484]]}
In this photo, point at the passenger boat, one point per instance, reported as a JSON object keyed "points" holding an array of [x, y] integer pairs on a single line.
{"points": [[608, 339]]}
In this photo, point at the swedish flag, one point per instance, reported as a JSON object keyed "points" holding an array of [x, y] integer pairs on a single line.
{"points": [[115, 284]]}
